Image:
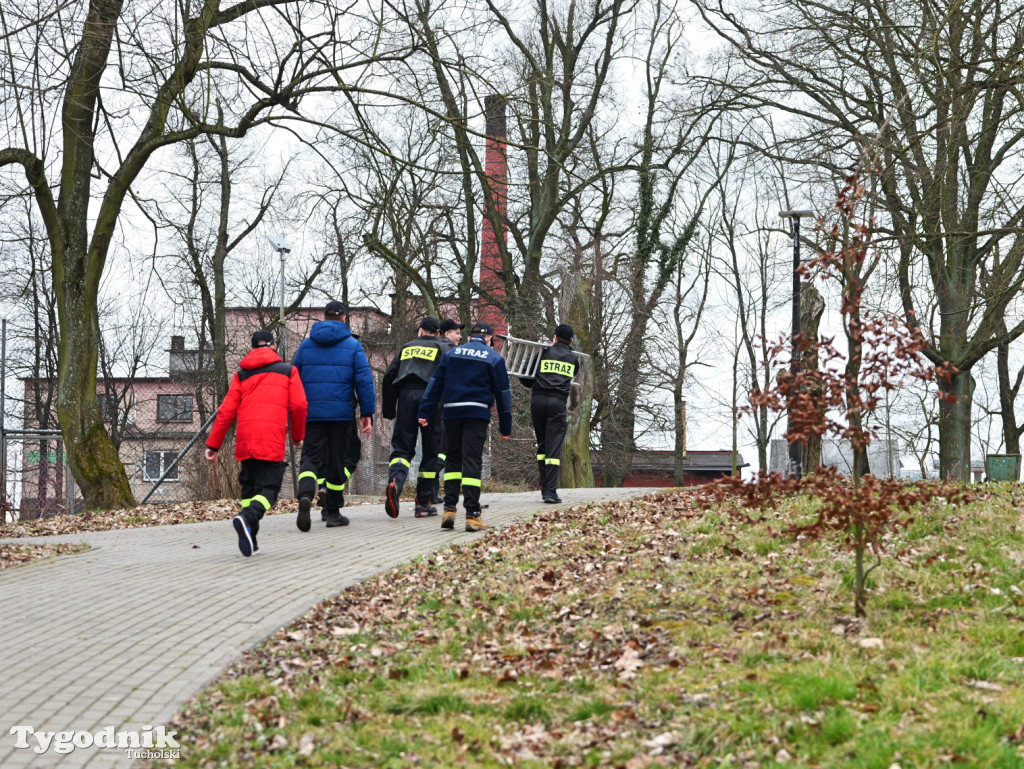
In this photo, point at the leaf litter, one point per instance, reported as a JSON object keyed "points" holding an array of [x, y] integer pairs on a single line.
{"points": [[647, 632]]}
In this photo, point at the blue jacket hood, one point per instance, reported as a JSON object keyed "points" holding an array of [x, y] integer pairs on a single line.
{"points": [[334, 372], [328, 333]]}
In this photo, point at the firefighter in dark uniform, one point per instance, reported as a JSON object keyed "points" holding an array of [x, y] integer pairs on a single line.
{"points": [[403, 386], [558, 365], [469, 381], [451, 336]]}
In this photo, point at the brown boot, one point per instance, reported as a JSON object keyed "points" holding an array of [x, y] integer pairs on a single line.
{"points": [[448, 520], [473, 523]]}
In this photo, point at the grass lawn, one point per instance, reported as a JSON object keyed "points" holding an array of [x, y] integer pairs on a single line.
{"points": [[649, 633]]}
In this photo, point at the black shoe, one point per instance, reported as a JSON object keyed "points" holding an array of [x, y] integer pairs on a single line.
{"points": [[552, 499], [422, 511], [335, 518], [244, 535], [437, 500], [303, 522], [391, 500], [323, 515], [255, 546]]}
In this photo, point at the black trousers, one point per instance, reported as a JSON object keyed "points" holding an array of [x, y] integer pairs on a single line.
{"points": [[323, 452], [261, 483], [549, 425], [354, 452], [464, 441], [404, 432]]}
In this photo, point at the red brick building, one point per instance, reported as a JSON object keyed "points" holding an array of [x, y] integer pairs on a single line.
{"points": [[157, 416]]}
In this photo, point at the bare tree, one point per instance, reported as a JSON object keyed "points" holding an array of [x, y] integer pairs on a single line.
{"points": [[747, 230], [932, 94], [563, 58], [195, 69], [669, 160]]}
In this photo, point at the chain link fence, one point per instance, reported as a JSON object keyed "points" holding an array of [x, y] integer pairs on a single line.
{"points": [[37, 480]]}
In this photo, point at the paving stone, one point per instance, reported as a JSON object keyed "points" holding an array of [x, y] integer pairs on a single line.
{"points": [[145, 619]]}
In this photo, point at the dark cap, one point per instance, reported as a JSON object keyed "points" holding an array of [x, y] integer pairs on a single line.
{"points": [[262, 338], [564, 331], [429, 324], [334, 307], [450, 325], [481, 328]]}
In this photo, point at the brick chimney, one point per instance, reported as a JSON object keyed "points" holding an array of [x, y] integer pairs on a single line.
{"points": [[496, 167]]}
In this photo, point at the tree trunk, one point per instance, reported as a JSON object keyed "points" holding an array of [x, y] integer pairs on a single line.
{"points": [[955, 427], [617, 444], [680, 442], [812, 307], [1007, 400], [220, 362], [93, 459], [860, 597], [577, 470]]}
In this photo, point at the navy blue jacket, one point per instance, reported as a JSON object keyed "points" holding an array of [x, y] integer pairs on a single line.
{"points": [[334, 372], [468, 381]]}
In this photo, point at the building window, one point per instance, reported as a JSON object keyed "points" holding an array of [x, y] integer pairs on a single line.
{"points": [[156, 463], [174, 408]]}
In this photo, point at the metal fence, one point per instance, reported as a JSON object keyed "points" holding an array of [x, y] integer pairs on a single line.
{"points": [[37, 480]]}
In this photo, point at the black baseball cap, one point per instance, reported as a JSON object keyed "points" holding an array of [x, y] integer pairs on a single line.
{"points": [[481, 328], [450, 325], [334, 307], [429, 324], [262, 338], [564, 331]]}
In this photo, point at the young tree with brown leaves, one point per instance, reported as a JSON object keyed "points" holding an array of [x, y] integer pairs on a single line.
{"points": [[881, 355]]}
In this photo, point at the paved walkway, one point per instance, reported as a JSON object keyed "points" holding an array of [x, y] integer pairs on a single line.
{"points": [[124, 634]]}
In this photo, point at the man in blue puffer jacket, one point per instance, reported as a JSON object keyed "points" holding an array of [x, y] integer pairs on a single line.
{"points": [[467, 382], [335, 373]]}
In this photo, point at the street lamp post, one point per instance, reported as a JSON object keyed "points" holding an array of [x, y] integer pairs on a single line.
{"points": [[282, 249], [795, 450]]}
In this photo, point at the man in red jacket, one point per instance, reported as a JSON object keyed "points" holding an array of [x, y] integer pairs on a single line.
{"points": [[262, 395]]}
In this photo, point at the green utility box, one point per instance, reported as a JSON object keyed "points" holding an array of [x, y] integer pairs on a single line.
{"points": [[1003, 467]]}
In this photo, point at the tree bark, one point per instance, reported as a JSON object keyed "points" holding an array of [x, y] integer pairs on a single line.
{"points": [[812, 307], [577, 470], [91, 454], [1007, 399], [955, 426]]}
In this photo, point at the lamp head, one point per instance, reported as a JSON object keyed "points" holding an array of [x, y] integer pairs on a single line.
{"points": [[278, 244]]}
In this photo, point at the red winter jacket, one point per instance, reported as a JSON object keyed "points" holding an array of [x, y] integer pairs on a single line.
{"points": [[261, 395]]}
